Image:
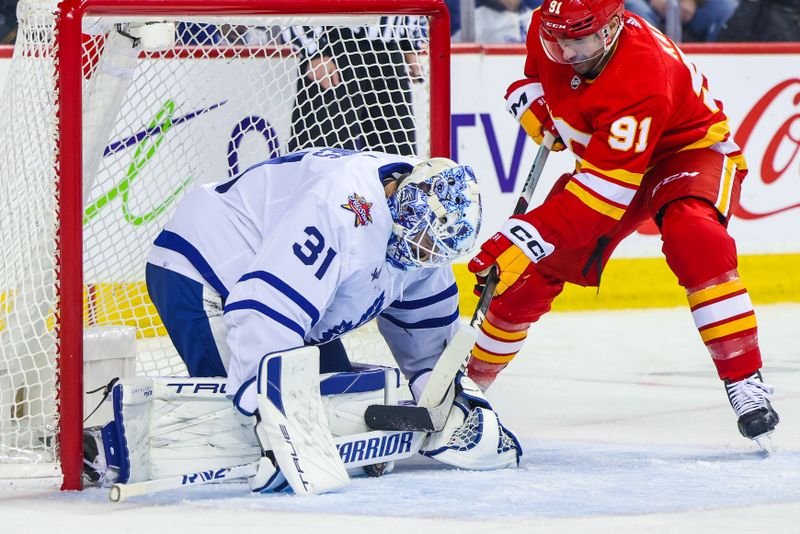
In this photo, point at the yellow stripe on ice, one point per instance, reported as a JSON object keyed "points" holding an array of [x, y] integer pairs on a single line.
{"points": [[627, 283]]}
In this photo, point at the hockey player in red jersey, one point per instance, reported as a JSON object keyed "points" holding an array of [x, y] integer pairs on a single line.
{"points": [[650, 142]]}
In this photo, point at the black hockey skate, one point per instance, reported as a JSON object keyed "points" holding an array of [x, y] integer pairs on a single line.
{"points": [[750, 401]]}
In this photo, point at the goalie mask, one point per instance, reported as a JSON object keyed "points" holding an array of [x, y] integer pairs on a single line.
{"points": [[437, 215]]}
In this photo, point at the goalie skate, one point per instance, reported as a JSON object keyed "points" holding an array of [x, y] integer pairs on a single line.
{"points": [[750, 400], [95, 467]]}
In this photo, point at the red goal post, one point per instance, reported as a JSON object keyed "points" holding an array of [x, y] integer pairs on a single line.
{"points": [[68, 309]]}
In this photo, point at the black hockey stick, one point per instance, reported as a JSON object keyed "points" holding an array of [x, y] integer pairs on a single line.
{"points": [[430, 414]]}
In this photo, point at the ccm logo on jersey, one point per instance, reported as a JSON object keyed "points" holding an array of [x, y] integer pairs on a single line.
{"points": [[372, 448], [526, 237]]}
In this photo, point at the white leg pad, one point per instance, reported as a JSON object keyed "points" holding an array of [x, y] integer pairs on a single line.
{"points": [[293, 421], [165, 427]]}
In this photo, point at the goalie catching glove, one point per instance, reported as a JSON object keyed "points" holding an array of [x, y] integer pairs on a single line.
{"points": [[473, 437]]}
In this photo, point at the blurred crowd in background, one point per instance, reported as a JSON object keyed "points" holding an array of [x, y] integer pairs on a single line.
{"points": [[506, 21], [8, 21]]}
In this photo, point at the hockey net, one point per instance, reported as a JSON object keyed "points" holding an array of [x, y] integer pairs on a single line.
{"points": [[198, 99]]}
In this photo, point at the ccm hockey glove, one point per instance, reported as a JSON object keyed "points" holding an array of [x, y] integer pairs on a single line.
{"points": [[532, 113], [511, 263], [536, 120]]}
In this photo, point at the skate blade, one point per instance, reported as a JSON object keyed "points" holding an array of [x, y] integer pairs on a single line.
{"points": [[764, 442]]}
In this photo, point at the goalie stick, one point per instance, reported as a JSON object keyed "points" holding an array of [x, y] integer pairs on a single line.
{"points": [[356, 450], [430, 413], [121, 492]]}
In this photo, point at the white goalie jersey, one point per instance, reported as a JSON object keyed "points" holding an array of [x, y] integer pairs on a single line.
{"points": [[296, 248]]}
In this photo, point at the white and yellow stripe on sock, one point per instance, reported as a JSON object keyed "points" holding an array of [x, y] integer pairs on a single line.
{"points": [[498, 345]]}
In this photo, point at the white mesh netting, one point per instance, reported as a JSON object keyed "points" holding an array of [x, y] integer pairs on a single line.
{"points": [[159, 119]]}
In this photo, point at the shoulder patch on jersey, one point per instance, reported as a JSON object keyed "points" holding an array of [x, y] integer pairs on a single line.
{"points": [[633, 22], [359, 205]]}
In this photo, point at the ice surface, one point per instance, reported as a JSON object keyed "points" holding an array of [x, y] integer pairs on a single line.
{"points": [[625, 428]]}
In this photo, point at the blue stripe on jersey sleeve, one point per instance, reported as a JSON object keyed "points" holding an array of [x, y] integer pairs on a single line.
{"points": [[434, 322], [427, 301], [287, 290], [172, 241], [391, 170], [269, 312], [288, 158]]}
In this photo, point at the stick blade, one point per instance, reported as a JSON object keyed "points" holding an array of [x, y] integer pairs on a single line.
{"points": [[430, 413], [414, 418], [410, 417]]}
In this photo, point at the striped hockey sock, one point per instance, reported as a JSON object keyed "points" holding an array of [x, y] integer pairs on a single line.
{"points": [[724, 316], [498, 342]]}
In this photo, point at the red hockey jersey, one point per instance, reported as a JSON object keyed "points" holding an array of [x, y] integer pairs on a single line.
{"points": [[648, 102]]}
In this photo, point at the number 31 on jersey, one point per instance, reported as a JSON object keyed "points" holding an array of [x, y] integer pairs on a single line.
{"points": [[309, 252]]}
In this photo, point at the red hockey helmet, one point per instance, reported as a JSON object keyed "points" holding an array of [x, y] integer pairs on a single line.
{"points": [[574, 31]]}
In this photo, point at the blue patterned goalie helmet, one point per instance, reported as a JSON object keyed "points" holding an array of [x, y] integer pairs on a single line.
{"points": [[437, 215]]}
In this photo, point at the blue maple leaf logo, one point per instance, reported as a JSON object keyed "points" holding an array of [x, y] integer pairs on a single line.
{"points": [[345, 326]]}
